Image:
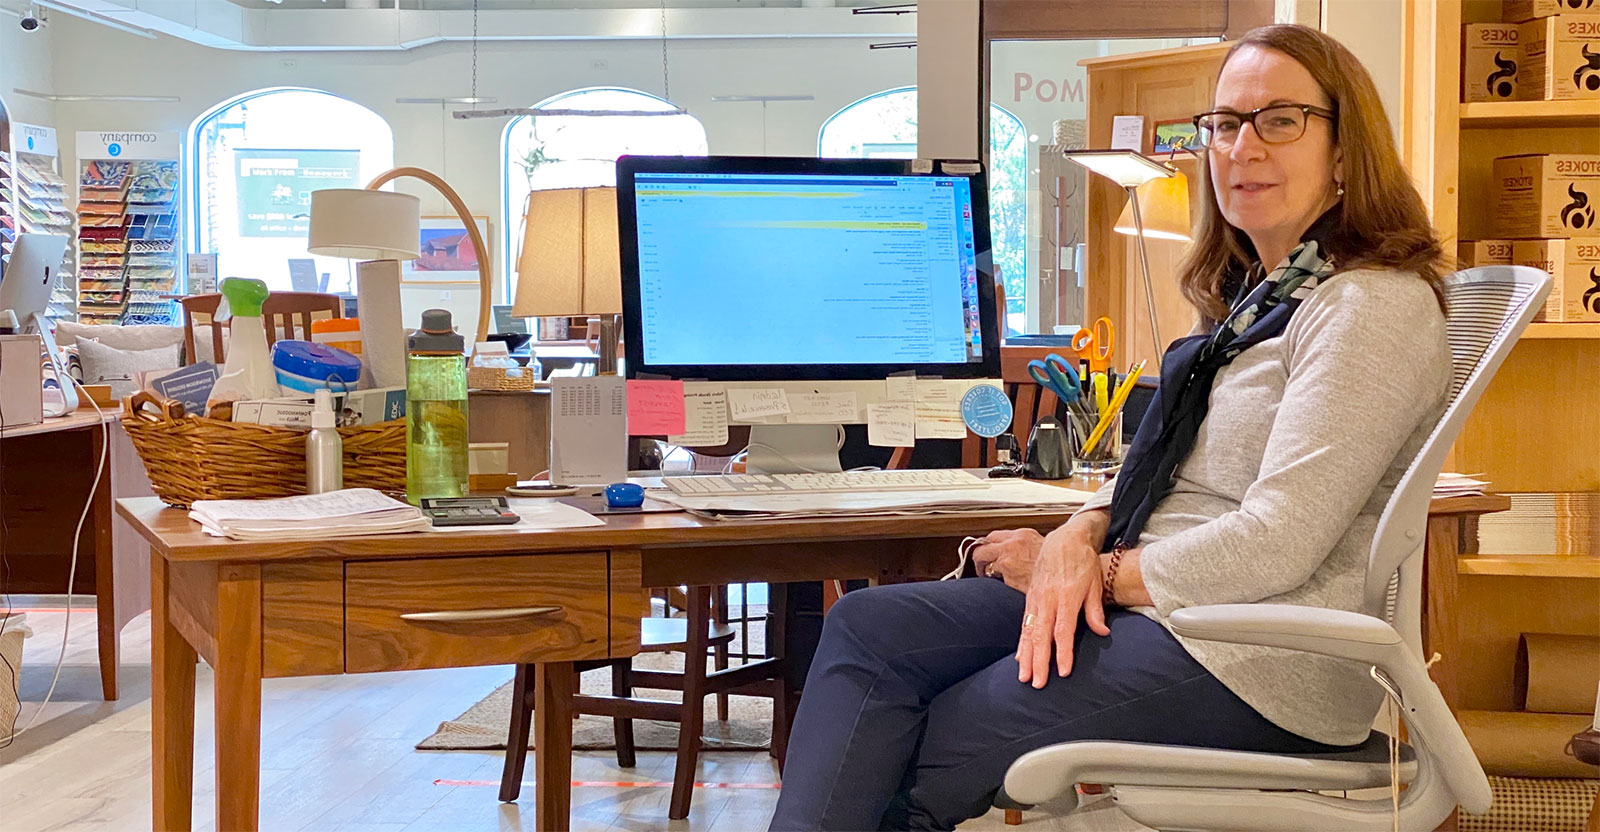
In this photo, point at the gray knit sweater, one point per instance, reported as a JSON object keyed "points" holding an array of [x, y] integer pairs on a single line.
{"points": [[1307, 435]]}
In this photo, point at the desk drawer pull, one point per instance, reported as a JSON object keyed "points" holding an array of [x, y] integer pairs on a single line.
{"points": [[456, 616]]}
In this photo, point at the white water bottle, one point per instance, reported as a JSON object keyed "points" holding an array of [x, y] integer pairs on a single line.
{"points": [[324, 448]]}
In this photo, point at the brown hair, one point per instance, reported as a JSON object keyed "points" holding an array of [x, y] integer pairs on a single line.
{"points": [[1382, 222]]}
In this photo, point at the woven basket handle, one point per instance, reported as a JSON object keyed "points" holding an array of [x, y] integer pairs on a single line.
{"points": [[166, 410]]}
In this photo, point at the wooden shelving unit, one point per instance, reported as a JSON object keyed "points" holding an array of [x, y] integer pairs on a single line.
{"points": [[1531, 566], [1530, 114], [1564, 330]]}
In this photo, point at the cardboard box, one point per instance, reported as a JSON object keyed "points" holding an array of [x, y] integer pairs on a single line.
{"points": [[21, 380], [1549, 195], [1516, 11], [1489, 60], [1560, 58], [1473, 253], [1574, 269]]}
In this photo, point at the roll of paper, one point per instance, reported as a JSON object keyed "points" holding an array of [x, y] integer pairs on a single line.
{"points": [[1557, 674], [1515, 744], [383, 332]]}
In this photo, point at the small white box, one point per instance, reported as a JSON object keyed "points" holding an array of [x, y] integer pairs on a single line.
{"points": [[21, 380]]}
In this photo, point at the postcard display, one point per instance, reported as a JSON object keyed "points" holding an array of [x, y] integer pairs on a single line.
{"points": [[128, 225], [37, 197]]}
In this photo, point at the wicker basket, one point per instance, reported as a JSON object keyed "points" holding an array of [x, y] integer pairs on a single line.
{"points": [[191, 458], [500, 378]]}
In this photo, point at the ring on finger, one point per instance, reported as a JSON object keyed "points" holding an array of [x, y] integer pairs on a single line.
{"points": [[988, 571], [1027, 620]]}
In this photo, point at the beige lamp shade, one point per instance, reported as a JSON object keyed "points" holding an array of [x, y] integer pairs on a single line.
{"points": [[365, 225], [1164, 207], [570, 264]]}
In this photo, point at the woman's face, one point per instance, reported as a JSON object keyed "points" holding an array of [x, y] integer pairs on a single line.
{"points": [[1273, 192]]}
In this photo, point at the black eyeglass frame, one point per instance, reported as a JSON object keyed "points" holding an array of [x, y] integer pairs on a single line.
{"points": [[1308, 110]]}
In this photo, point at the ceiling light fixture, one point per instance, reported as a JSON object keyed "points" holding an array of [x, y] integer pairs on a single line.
{"points": [[509, 112], [465, 99], [96, 17], [140, 99]]}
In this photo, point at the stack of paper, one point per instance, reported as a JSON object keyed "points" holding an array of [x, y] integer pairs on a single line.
{"points": [[353, 511], [1008, 496], [1543, 524], [1458, 485]]}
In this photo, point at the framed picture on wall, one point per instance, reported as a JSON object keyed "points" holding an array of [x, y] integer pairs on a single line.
{"points": [[1177, 134], [447, 253]]}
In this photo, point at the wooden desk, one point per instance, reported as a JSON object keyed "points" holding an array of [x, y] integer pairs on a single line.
{"points": [[49, 469], [263, 610]]}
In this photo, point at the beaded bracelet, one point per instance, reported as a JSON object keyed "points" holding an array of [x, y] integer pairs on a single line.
{"points": [[1107, 595]]}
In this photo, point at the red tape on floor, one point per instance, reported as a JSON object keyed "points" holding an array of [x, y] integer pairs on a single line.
{"points": [[616, 784]]}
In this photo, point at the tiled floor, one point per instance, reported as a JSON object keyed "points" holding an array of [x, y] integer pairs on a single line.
{"points": [[337, 754]]}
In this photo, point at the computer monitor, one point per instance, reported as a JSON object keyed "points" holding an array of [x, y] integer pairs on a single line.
{"points": [[805, 274], [25, 291]]}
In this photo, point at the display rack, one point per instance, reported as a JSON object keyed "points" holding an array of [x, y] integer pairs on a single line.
{"points": [[40, 201], [8, 189]]}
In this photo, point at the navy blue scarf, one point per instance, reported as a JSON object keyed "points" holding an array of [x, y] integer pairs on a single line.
{"points": [[1190, 366]]}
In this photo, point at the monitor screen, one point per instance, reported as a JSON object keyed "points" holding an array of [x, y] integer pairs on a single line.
{"points": [[755, 269]]}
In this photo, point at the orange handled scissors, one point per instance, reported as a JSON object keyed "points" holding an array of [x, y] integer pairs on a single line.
{"points": [[1096, 345]]}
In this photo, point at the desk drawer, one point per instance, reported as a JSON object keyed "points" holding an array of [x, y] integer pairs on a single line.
{"points": [[458, 612]]}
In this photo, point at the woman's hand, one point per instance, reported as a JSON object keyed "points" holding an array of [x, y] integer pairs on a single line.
{"points": [[1065, 581], [1008, 554]]}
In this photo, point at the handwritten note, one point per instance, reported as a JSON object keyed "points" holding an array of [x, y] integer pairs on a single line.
{"points": [[755, 404], [655, 407], [705, 420], [901, 388], [892, 425], [823, 408]]}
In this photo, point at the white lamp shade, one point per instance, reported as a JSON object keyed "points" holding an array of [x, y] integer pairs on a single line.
{"points": [[365, 225], [570, 263], [1163, 208], [1123, 167]]}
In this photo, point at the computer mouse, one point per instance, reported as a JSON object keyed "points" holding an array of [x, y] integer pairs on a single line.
{"points": [[624, 495]]}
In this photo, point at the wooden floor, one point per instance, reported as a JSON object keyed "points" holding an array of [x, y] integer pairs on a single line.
{"points": [[337, 753]]}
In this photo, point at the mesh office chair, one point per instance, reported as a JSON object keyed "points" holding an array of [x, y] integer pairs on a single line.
{"points": [[1186, 788]]}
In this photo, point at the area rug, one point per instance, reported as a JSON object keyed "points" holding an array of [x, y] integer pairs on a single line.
{"points": [[485, 725]]}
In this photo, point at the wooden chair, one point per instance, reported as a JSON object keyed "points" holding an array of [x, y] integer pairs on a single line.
{"points": [[283, 313], [694, 637]]}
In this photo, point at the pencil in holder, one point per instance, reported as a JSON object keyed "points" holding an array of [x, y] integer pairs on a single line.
{"points": [[1105, 456]]}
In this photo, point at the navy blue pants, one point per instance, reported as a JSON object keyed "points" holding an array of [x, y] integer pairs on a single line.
{"points": [[912, 711]]}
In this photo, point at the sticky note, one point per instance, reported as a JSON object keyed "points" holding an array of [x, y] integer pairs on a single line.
{"points": [[941, 428], [823, 408], [901, 388], [892, 425], [755, 404], [705, 419], [655, 407]]}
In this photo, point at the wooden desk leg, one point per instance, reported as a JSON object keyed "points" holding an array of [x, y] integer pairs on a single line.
{"points": [[172, 713], [105, 579], [238, 697], [694, 710], [552, 745]]}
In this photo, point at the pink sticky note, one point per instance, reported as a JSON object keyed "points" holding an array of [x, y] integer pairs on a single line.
{"points": [[655, 408]]}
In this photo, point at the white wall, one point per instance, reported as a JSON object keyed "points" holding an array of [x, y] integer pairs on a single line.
{"points": [[25, 63], [1374, 31], [835, 71]]}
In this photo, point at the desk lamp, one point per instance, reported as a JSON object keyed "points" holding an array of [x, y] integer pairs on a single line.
{"points": [[1163, 188], [570, 264], [383, 228]]}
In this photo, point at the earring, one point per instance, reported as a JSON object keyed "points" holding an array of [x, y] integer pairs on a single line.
{"points": [[1340, 192]]}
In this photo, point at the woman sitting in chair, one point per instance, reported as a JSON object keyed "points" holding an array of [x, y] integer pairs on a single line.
{"points": [[1281, 428]]}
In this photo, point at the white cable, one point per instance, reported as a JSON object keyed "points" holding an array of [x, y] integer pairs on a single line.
{"points": [[72, 569]]}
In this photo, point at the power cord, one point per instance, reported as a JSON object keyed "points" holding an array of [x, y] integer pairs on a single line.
{"points": [[72, 569]]}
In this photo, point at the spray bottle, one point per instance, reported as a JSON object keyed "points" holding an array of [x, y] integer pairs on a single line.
{"points": [[248, 372]]}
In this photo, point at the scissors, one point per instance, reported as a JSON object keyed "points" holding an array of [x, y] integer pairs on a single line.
{"points": [[1056, 375], [1095, 345]]}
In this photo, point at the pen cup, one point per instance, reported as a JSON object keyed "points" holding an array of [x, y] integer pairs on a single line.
{"points": [[1106, 455]]}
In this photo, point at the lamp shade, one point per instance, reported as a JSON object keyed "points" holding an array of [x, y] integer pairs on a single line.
{"points": [[570, 264], [365, 225], [1164, 207], [1124, 167]]}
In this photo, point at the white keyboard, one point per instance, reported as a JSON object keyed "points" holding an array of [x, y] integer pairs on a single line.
{"points": [[725, 485]]}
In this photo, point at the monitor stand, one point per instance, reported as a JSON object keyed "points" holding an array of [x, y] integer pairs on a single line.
{"points": [[793, 449], [64, 398]]}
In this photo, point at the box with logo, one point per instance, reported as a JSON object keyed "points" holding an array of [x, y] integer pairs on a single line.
{"points": [[1560, 57], [1547, 195], [1489, 60], [1516, 11], [1574, 268], [1473, 253]]}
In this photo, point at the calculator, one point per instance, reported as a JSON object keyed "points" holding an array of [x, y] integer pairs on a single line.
{"points": [[468, 511]]}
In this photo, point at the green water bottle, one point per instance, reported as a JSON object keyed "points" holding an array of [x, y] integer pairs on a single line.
{"points": [[436, 410]]}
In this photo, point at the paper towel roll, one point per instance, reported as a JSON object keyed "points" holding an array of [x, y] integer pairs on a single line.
{"points": [[383, 332], [1557, 674], [1518, 744]]}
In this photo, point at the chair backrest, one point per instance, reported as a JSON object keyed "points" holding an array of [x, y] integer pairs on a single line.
{"points": [[286, 315], [1486, 311]]}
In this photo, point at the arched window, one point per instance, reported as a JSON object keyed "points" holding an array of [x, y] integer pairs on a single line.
{"points": [[574, 151], [884, 126], [254, 161]]}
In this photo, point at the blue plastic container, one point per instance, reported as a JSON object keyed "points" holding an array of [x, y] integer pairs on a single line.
{"points": [[306, 367]]}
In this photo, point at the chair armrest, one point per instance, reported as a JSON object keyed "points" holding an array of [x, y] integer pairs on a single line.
{"points": [[1365, 639]]}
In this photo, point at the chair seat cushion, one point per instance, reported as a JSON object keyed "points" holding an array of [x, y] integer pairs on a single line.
{"points": [[1041, 775]]}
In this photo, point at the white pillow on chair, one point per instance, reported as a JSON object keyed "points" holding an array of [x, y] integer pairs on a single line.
{"points": [[135, 337], [119, 368]]}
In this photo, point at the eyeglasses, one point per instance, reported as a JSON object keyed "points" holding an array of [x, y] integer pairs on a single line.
{"points": [[1278, 124]]}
